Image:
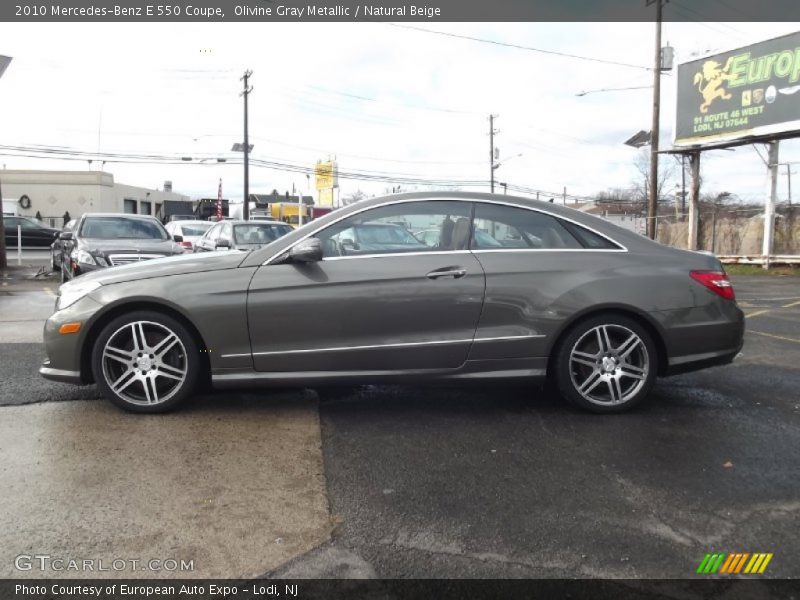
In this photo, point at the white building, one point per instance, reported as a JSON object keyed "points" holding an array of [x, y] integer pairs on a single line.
{"points": [[51, 194]]}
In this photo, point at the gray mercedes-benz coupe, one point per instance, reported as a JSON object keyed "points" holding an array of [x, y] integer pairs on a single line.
{"points": [[506, 288]]}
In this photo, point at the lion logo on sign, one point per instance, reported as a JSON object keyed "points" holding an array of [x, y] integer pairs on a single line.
{"points": [[709, 83]]}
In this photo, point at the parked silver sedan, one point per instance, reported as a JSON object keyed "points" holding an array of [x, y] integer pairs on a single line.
{"points": [[189, 231], [241, 235], [542, 291]]}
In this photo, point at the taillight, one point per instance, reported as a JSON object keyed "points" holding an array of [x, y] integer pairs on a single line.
{"points": [[716, 281], [186, 245]]}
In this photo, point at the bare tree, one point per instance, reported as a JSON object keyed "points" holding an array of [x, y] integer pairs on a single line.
{"points": [[666, 172], [353, 197]]}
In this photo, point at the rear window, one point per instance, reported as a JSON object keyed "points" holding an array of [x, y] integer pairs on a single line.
{"points": [[195, 229]]}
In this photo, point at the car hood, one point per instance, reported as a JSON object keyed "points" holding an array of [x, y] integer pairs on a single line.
{"points": [[130, 245], [164, 267]]}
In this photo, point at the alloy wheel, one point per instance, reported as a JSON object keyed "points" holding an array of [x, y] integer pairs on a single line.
{"points": [[608, 365], [144, 363]]}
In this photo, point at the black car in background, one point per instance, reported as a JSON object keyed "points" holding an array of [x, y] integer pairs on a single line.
{"points": [[100, 240], [33, 232]]}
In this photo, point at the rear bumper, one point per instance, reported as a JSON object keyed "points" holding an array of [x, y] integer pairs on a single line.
{"points": [[701, 337], [695, 362]]}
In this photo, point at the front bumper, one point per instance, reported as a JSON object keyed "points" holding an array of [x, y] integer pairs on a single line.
{"points": [[65, 351], [61, 375]]}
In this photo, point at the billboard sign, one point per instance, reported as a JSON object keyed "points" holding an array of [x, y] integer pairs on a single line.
{"points": [[750, 91], [325, 175]]}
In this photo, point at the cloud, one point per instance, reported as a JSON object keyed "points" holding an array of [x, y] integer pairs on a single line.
{"points": [[381, 98]]}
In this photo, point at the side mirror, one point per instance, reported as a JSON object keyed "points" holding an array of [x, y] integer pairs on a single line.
{"points": [[177, 238], [65, 235], [223, 244], [307, 251]]}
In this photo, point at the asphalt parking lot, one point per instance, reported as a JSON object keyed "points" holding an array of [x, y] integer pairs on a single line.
{"points": [[503, 481]]}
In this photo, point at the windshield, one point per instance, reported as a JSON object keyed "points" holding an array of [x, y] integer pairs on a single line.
{"points": [[259, 233], [109, 228], [196, 228], [384, 234]]}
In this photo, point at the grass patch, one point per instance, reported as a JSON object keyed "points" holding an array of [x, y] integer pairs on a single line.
{"points": [[758, 270]]}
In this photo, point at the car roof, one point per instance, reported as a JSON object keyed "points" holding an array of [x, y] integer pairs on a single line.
{"points": [[123, 215], [629, 239], [189, 222], [599, 224], [257, 222]]}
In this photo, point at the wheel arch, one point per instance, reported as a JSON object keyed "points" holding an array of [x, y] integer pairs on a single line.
{"points": [[119, 309], [641, 317]]}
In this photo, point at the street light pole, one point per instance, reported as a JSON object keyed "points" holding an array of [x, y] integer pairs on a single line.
{"points": [[652, 201], [246, 93], [4, 62]]}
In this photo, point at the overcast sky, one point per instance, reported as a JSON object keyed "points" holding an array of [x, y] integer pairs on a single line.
{"points": [[381, 98]]}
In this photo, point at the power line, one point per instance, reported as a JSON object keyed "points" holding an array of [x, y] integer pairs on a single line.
{"points": [[705, 20], [521, 47], [735, 9]]}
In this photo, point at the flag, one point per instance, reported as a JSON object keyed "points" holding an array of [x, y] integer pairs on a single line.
{"points": [[219, 201]]}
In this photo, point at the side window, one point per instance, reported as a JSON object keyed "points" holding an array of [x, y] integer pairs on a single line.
{"points": [[225, 234], [498, 226], [589, 239], [428, 226]]}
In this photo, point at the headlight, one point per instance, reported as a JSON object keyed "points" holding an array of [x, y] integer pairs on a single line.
{"points": [[82, 256], [69, 293]]}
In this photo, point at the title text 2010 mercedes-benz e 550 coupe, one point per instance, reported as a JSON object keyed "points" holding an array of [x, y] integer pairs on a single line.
{"points": [[497, 288]]}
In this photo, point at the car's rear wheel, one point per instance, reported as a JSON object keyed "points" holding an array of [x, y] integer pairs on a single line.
{"points": [[606, 364], [146, 362]]}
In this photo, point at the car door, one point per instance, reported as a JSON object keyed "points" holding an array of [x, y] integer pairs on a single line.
{"points": [[58, 244], [388, 311], [10, 230], [225, 233], [209, 240]]}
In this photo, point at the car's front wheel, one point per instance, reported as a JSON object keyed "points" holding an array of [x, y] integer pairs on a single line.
{"points": [[606, 364], [146, 362]]}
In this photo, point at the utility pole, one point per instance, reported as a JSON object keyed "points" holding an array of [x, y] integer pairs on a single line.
{"points": [[245, 93], [789, 179], [694, 201], [769, 203], [652, 201], [492, 165], [4, 62]]}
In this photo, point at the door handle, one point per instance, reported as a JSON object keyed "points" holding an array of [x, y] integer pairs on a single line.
{"points": [[454, 273]]}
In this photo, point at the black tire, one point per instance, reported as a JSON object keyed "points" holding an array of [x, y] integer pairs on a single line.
{"points": [[144, 378], [611, 371]]}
